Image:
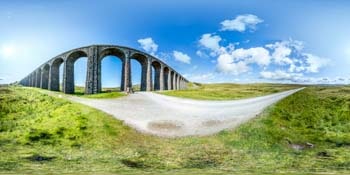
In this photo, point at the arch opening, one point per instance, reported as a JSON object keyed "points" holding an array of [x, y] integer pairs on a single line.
{"points": [[138, 71], [111, 66], [75, 73], [175, 82], [112, 52], [171, 82], [156, 66], [166, 78]]}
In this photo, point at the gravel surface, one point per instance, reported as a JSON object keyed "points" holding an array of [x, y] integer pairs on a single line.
{"points": [[174, 117]]}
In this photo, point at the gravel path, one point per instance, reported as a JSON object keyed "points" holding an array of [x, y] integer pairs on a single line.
{"points": [[172, 117]]}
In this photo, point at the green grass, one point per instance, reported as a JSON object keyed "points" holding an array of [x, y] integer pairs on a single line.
{"points": [[48, 135], [228, 91], [106, 93]]}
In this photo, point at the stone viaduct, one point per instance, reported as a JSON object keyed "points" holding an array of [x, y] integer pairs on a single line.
{"points": [[46, 76]]}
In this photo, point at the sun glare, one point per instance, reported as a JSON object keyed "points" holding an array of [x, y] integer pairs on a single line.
{"points": [[7, 50]]}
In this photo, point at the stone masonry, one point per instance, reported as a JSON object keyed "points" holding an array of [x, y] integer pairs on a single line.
{"points": [[47, 75]]}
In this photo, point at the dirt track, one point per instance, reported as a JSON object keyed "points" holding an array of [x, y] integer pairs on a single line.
{"points": [[170, 116]]}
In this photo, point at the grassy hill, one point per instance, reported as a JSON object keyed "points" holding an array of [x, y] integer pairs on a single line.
{"points": [[228, 91], [308, 132]]}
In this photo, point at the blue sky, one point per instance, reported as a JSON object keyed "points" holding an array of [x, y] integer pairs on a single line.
{"points": [[207, 41]]}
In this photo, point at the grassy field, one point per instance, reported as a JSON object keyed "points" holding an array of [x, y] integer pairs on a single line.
{"points": [[308, 132], [106, 93], [227, 91]]}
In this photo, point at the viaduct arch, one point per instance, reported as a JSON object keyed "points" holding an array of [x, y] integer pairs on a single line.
{"points": [[46, 76]]}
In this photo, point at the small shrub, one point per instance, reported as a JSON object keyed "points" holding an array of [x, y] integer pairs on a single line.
{"points": [[39, 158], [35, 135], [134, 163]]}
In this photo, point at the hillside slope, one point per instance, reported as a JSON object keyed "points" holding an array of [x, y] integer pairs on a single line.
{"points": [[229, 91], [306, 132]]}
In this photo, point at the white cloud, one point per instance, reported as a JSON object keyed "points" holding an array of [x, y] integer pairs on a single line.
{"points": [[148, 45], [341, 79], [283, 50], [281, 75], [257, 55], [281, 53], [210, 42], [327, 80], [238, 60], [302, 62], [241, 23], [201, 54], [315, 63], [295, 68], [226, 64], [208, 77], [179, 56], [285, 53], [279, 61], [201, 77]]}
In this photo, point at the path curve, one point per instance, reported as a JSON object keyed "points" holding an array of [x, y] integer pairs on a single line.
{"points": [[167, 116]]}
